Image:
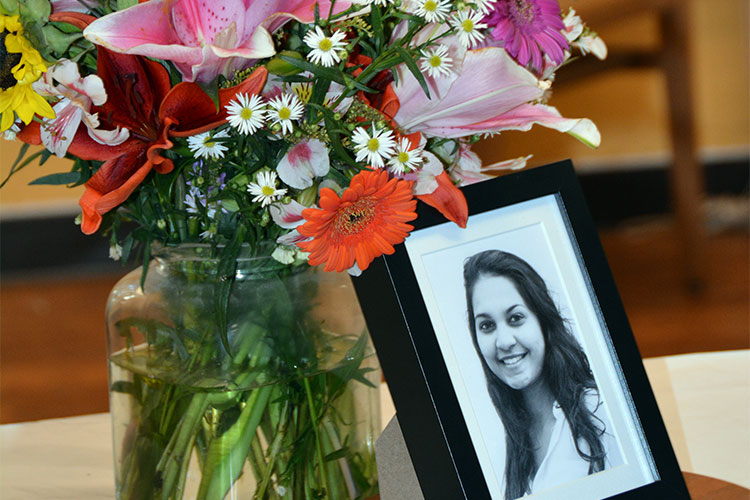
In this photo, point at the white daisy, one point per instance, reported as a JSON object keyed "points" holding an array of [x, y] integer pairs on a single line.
{"points": [[436, 61], [284, 109], [264, 188], [406, 158], [246, 114], [324, 47], [209, 233], [376, 147], [433, 11], [468, 24], [484, 6], [206, 146]]}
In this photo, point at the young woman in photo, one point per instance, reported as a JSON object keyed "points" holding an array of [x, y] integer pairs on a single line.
{"points": [[538, 377]]}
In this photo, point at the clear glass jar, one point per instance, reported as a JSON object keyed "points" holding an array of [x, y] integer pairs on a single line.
{"points": [[260, 387]]}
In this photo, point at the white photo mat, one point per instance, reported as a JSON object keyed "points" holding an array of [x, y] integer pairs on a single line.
{"points": [[536, 231]]}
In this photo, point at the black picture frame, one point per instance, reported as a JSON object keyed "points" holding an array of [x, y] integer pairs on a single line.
{"points": [[422, 385]]}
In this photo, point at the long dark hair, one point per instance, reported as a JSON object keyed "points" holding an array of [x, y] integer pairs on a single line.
{"points": [[566, 372]]}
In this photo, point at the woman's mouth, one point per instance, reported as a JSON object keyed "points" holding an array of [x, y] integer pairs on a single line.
{"points": [[513, 359]]}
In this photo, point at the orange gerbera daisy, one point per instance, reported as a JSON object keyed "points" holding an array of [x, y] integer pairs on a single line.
{"points": [[368, 219]]}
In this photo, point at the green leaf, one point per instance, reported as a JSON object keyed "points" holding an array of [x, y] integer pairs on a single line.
{"points": [[124, 4], [57, 40], [335, 455], [333, 134], [376, 19], [146, 261], [225, 274], [328, 73], [409, 61], [57, 179], [18, 164]]}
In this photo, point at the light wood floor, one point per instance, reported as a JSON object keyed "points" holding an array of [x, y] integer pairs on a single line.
{"points": [[52, 344]]}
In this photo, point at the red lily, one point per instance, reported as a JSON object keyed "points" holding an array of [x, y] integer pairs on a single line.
{"points": [[140, 99]]}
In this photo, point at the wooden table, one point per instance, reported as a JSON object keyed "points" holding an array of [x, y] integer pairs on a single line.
{"points": [[704, 399], [709, 488], [701, 488]]}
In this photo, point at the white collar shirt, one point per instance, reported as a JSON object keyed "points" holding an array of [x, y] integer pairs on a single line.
{"points": [[562, 463]]}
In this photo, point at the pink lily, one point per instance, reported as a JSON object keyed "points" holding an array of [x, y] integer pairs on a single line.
{"points": [[77, 97], [303, 162], [203, 38], [491, 93], [468, 169]]}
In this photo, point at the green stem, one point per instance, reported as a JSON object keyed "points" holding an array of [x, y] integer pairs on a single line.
{"points": [[179, 446], [227, 453], [273, 451], [319, 444]]}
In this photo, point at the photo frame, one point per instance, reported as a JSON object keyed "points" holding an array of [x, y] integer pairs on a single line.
{"points": [[450, 386]]}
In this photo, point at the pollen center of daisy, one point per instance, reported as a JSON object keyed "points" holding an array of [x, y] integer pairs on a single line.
{"points": [[246, 113], [285, 113], [208, 142], [267, 190], [325, 44], [468, 25], [403, 156], [373, 144], [356, 218], [436, 61], [430, 6]]}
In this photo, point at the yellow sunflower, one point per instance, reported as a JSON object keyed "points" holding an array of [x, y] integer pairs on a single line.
{"points": [[21, 66]]}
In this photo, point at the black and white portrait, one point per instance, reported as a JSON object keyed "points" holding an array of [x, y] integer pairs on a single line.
{"points": [[529, 359], [538, 377]]}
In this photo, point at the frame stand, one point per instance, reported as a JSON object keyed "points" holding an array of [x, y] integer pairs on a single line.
{"points": [[395, 471]]}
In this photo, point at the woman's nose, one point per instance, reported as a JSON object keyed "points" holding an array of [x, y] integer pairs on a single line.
{"points": [[504, 339]]}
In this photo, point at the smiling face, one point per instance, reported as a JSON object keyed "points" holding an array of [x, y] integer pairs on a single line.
{"points": [[508, 333]]}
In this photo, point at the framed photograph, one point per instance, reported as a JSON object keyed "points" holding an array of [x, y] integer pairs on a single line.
{"points": [[508, 353]]}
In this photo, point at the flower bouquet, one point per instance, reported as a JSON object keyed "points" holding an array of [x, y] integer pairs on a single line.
{"points": [[237, 147]]}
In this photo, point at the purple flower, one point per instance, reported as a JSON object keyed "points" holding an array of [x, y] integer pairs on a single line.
{"points": [[529, 29]]}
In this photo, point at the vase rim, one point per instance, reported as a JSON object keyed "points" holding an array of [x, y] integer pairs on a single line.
{"points": [[204, 252]]}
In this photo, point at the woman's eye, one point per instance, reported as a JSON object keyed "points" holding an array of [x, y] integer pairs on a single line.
{"points": [[486, 326], [516, 319]]}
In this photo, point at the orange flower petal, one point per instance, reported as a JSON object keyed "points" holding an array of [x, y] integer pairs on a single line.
{"points": [[366, 222]]}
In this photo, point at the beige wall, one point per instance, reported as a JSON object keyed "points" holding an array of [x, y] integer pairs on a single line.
{"points": [[628, 106], [18, 198]]}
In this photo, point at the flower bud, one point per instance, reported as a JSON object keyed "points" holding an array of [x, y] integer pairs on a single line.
{"points": [[308, 196]]}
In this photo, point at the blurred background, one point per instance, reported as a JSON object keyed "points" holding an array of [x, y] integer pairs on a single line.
{"points": [[668, 189]]}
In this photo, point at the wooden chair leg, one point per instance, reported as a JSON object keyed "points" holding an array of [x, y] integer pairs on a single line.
{"points": [[687, 182]]}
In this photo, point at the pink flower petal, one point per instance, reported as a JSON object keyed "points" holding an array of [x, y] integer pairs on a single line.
{"points": [[287, 215], [489, 84], [303, 162]]}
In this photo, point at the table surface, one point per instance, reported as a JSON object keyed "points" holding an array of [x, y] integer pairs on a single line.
{"points": [[704, 399]]}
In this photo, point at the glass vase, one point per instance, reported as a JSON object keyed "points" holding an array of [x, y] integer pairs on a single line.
{"points": [[261, 387]]}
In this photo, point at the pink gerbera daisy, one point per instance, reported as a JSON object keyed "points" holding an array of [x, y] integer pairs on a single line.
{"points": [[529, 29]]}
